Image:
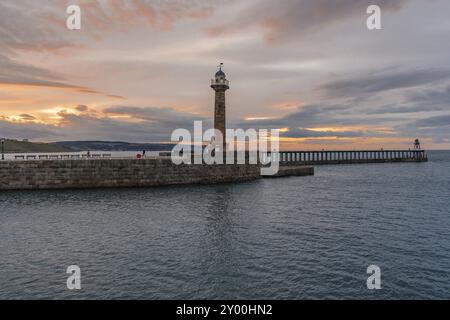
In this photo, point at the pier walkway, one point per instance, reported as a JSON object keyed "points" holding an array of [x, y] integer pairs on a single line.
{"points": [[349, 157]]}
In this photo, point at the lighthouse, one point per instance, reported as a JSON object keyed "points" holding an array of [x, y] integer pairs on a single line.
{"points": [[220, 84]]}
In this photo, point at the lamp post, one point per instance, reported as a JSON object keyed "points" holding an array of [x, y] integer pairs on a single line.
{"points": [[3, 149]]}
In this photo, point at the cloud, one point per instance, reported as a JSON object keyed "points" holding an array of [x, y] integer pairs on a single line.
{"points": [[414, 108], [165, 117], [436, 129], [296, 18], [301, 123], [15, 73], [30, 25], [81, 108], [34, 131], [433, 97], [24, 26], [382, 81], [153, 124], [418, 101], [140, 125], [160, 15], [27, 117], [305, 116], [307, 133], [436, 121]]}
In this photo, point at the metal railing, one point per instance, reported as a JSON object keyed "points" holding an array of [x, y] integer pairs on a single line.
{"points": [[224, 82], [61, 156], [354, 156]]}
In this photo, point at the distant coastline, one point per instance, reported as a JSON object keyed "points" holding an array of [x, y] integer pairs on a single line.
{"points": [[17, 146]]}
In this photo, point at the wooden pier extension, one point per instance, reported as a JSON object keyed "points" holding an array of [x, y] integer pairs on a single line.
{"points": [[349, 157]]}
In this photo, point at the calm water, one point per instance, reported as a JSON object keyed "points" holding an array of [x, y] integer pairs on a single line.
{"points": [[289, 238]]}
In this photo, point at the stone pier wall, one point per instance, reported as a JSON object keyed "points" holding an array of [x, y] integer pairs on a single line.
{"points": [[99, 173]]}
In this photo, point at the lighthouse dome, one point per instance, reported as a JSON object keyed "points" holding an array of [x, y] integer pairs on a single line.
{"points": [[220, 74]]}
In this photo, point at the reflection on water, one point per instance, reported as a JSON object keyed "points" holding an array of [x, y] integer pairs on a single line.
{"points": [[289, 238]]}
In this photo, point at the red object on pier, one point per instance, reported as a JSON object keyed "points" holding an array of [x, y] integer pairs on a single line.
{"points": [[138, 156]]}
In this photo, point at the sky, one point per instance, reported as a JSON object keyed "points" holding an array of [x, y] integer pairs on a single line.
{"points": [[137, 70]]}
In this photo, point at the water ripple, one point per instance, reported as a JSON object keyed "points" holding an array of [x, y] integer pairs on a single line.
{"points": [[291, 238]]}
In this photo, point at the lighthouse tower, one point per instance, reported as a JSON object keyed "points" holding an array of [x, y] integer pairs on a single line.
{"points": [[220, 84]]}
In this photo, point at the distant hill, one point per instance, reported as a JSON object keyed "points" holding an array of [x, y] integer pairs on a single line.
{"points": [[15, 146], [112, 146]]}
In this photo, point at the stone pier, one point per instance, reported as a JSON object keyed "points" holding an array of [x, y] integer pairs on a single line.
{"points": [[110, 173]]}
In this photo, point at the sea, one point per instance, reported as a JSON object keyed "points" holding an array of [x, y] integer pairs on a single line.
{"points": [[287, 238]]}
